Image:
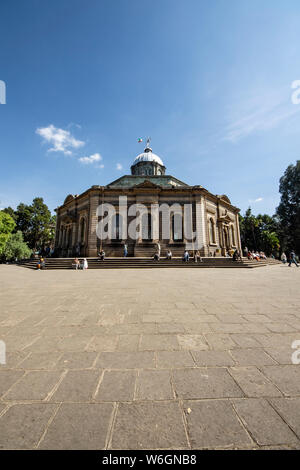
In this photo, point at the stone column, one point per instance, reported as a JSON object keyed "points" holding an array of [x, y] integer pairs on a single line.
{"points": [[155, 222], [201, 241], [238, 235], [92, 224]]}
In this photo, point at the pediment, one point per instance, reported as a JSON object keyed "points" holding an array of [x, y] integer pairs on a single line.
{"points": [[147, 184], [225, 218]]}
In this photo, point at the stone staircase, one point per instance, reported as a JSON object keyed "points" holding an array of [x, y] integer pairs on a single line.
{"points": [[143, 262]]}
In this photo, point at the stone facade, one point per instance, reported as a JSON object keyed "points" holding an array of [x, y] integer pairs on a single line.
{"points": [[159, 207]]}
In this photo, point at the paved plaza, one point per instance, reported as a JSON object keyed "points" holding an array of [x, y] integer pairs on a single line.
{"points": [[150, 358]]}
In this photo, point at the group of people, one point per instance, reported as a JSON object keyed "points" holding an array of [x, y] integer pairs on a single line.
{"points": [[258, 255], [185, 256], [80, 265], [291, 260]]}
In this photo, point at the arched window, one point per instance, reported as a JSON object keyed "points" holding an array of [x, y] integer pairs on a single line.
{"points": [[65, 236], [61, 234], [232, 235], [147, 226], [69, 241], [82, 230], [212, 232], [116, 227], [177, 227]]}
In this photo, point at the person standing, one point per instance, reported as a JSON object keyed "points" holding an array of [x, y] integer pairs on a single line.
{"points": [[283, 258], [158, 248], [293, 259], [125, 250], [85, 264]]}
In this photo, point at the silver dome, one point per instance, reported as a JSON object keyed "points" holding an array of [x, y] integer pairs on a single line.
{"points": [[148, 157]]}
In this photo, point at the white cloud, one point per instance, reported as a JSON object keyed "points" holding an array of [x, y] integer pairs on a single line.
{"points": [[259, 199], [96, 157], [119, 166], [61, 140]]}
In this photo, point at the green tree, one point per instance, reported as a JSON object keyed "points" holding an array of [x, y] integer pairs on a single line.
{"points": [[16, 248], [9, 210], [259, 232], [36, 223], [23, 219], [7, 224], [249, 230], [288, 210]]}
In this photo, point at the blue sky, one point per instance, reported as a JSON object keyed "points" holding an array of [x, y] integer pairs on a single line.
{"points": [[209, 81]]}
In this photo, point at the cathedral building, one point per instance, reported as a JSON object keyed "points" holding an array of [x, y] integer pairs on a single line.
{"points": [[147, 210]]}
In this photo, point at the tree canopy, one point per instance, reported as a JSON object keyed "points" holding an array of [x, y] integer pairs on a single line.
{"points": [[16, 248], [259, 233], [7, 225], [36, 223], [288, 211]]}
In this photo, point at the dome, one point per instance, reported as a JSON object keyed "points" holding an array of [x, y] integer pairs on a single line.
{"points": [[148, 157]]}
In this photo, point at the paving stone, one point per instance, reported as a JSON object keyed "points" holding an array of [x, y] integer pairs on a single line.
{"points": [[2, 407], [197, 328], [280, 327], [245, 341], [286, 377], [13, 359], [170, 328], [251, 357], [154, 385], [205, 383], [117, 386], [80, 426], [45, 345], [228, 327], [212, 358], [57, 316], [34, 385], [126, 360], [103, 343], [8, 378], [149, 425], [74, 343], [213, 424], [77, 360], [283, 355], [219, 341], [253, 382], [77, 385], [174, 359], [22, 426], [128, 342], [192, 342], [40, 361], [263, 423], [289, 409], [159, 342], [19, 343]]}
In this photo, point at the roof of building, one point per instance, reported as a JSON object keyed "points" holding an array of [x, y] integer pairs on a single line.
{"points": [[165, 181], [148, 157]]}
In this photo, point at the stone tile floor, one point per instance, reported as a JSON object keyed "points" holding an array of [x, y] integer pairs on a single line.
{"points": [[150, 359]]}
